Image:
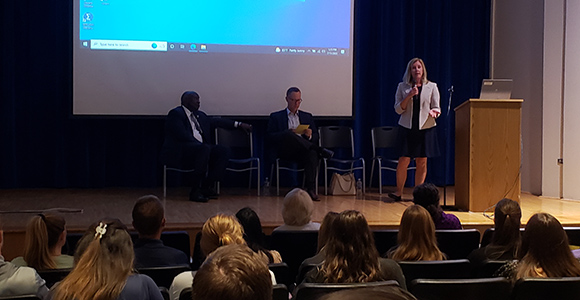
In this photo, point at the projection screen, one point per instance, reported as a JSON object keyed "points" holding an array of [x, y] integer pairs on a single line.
{"points": [[138, 57]]}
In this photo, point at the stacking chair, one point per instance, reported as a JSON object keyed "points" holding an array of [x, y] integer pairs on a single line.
{"points": [[547, 288], [457, 244], [340, 138], [498, 288], [282, 164], [436, 269], [165, 169], [163, 276], [313, 291], [295, 247], [384, 139], [242, 144]]}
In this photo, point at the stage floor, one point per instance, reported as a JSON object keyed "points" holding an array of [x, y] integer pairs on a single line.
{"points": [[81, 207]]}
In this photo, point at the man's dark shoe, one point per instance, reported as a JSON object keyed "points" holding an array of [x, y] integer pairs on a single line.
{"points": [[325, 153], [197, 196], [313, 195], [209, 193]]}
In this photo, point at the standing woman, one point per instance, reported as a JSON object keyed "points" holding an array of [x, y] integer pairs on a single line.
{"points": [[417, 101]]}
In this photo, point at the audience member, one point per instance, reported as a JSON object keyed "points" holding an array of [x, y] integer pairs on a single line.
{"points": [[323, 235], [45, 236], [254, 235], [149, 221], [544, 252], [217, 231], [297, 211], [233, 272], [188, 144], [18, 281], [416, 237], [301, 147], [378, 293], [104, 268], [351, 255], [427, 195], [506, 239]]}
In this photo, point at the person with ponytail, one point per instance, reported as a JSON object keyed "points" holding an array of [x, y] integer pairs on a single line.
{"points": [[45, 236], [416, 237], [104, 268], [217, 231], [506, 240]]}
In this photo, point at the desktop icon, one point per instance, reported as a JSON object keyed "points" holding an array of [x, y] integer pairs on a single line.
{"points": [[278, 50], [171, 46], [203, 47], [87, 17], [154, 45], [193, 47]]}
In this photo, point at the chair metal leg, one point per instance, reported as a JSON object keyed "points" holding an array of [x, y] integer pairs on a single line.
{"points": [[325, 177], [258, 178], [380, 177], [277, 178], [372, 170], [363, 176], [164, 181]]}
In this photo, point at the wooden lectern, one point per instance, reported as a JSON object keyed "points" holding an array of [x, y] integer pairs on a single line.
{"points": [[487, 152]]}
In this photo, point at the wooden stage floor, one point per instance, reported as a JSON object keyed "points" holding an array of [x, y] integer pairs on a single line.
{"points": [[81, 207]]}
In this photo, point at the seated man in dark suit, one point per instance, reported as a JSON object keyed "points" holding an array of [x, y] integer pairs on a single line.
{"points": [[301, 147], [149, 220], [188, 145]]}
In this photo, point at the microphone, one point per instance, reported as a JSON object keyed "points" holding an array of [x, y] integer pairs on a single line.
{"points": [[451, 89]]}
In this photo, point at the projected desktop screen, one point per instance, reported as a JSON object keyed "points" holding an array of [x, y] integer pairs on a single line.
{"points": [[138, 57]]}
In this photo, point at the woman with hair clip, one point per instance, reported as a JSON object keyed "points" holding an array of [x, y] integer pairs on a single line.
{"points": [[545, 251], [417, 103], [351, 255], [45, 236], [506, 239], [416, 237], [254, 235], [104, 268], [217, 231]]}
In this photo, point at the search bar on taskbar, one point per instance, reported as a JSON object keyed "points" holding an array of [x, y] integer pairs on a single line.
{"points": [[128, 45]]}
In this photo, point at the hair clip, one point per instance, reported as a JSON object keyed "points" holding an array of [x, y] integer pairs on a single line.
{"points": [[101, 230]]}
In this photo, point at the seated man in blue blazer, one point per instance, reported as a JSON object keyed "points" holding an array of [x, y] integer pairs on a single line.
{"points": [[301, 147], [188, 145]]}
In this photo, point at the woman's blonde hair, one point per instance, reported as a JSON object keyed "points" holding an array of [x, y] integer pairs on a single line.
{"points": [[408, 76], [105, 261], [221, 230], [298, 208], [350, 252], [416, 237], [42, 235]]}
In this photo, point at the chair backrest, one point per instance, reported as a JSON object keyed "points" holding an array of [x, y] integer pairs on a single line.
{"points": [[185, 294], [53, 276], [458, 244], [488, 268], [163, 276], [498, 288], [313, 291], [295, 247], [337, 137], [235, 139], [547, 288], [22, 297], [282, 273], [279, 292], [383, 137], [178, 240], [438, 269], [573, 235], [302, 270], [385, 240]]}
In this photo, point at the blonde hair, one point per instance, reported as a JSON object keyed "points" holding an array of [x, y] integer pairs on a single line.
{"points": [[408, 76], [416, 237], [298, 208], [42, 235], [104, 264], [221, 230]]}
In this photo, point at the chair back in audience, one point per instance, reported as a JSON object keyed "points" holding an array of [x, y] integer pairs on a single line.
{"points": [[295, 247], [53, 276], [573, 235], [458, 244], [23, 297], [385, 240], [488, 268], [547, 288], [282, 273], [303, 270], [498, 288], [178, 240], [279, 292], [437, 269], [313, 291], [488, 236], [163, 276]]}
